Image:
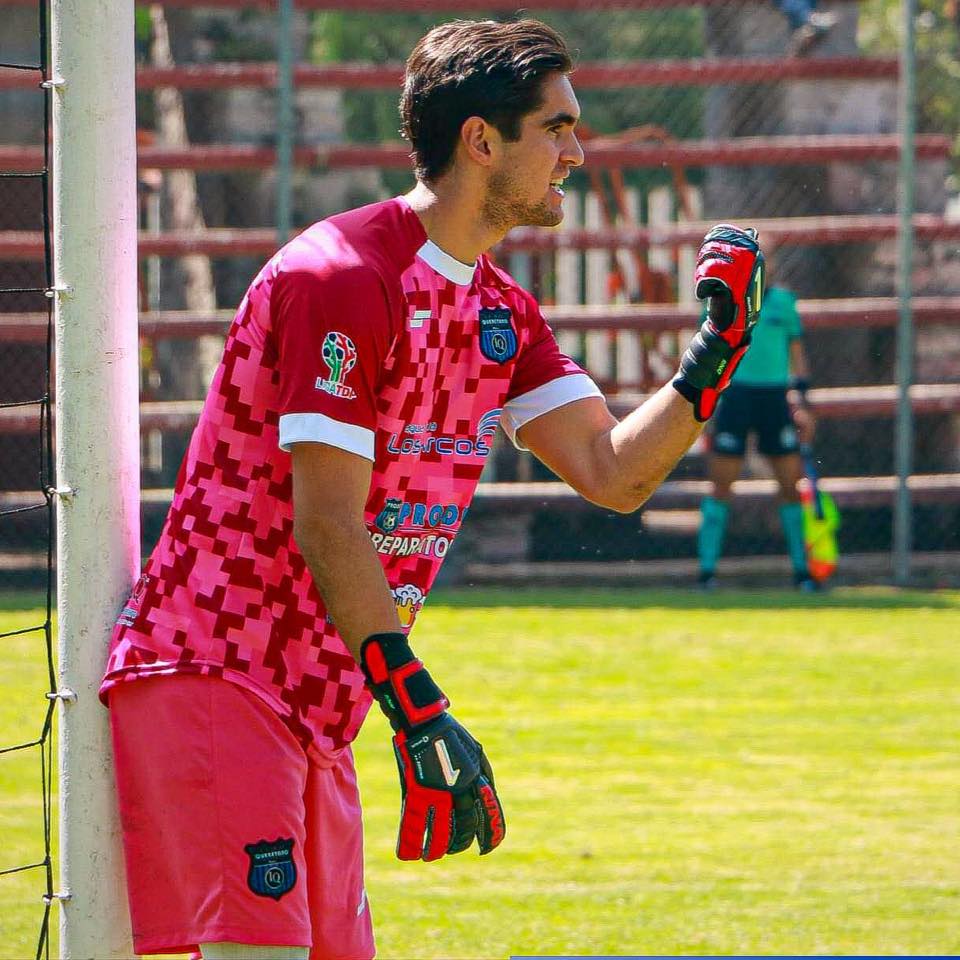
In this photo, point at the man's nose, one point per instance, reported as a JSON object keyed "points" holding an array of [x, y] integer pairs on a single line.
{"points": [[573, 154]]}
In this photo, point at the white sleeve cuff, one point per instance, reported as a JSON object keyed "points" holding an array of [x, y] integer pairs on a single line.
{"points": [[557, 393], [319, 428]]}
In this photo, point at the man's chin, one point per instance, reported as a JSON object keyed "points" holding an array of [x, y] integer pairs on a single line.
{"points": [[507, 216], [543, 216]]}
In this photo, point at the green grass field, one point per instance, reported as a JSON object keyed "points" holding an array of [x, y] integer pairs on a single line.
{"points": [[681, 774]]}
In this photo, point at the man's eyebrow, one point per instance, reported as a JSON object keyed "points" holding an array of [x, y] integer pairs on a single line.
{"points": [[562, 117]]}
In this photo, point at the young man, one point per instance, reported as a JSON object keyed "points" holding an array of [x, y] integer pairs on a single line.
{"points": [[346, 428], [758, 402]]}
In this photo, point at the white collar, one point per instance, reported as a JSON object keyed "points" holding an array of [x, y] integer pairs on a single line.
{"points": [[445, 265]]}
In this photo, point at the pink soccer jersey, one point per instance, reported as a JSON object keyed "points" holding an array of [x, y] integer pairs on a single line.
{"points": [[364, 335]]}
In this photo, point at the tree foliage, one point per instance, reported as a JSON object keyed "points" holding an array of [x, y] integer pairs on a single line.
{"points": [[594, 35], [938, 59]]}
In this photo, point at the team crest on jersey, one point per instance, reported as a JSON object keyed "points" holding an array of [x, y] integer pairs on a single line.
{"points": [[388, 519], [340, 355], [272, 870], [498, 339]]}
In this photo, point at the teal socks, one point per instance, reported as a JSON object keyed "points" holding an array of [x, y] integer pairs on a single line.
{"points": [[791, 517], [713, 525]]}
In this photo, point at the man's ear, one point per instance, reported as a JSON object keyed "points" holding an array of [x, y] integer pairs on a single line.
{"points": [[480, 140]]}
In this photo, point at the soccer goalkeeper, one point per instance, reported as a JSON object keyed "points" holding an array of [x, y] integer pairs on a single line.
{"points": [[345, 431]]}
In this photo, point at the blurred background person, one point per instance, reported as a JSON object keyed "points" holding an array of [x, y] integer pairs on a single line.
{"points": [[809, 26], [768, 398]]}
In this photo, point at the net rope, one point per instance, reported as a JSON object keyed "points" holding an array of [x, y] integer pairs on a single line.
{"points": [[42, 744]]}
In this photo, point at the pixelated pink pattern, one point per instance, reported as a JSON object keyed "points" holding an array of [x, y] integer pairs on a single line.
{"points": [[226, 592]]}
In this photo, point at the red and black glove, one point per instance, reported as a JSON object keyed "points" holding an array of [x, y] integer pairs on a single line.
{"points": [[730, 276], [446, 784]]}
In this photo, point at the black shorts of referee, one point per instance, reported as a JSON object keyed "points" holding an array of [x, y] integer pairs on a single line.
{"points": [[743, 409]]}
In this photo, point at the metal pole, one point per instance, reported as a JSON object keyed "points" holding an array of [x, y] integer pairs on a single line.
{"points": [[903, 454], [98, 548], [286, 122]]}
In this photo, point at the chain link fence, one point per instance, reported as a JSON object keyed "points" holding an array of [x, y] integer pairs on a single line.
{"points": [[778, 114]]}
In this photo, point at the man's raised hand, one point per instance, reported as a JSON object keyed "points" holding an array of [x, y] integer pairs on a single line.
{"points": [[730, 277]]}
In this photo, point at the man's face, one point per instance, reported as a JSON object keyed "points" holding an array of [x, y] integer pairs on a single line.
{"points": [[525, 187]]}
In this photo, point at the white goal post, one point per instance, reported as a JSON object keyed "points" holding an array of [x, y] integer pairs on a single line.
{"points": [[97, 434]]}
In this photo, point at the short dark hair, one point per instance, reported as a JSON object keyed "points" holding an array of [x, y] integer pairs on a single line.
{"points": [[469, 68]]}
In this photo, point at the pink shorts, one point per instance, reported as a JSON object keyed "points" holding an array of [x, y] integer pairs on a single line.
{"points": [[230, 832]]}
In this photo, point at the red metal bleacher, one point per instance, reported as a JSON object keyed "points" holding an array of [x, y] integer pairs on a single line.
{"points": [[600, 154], [829, 402], [435, 6], [869, 401], [637, 318], [388, 76], [796, 231]]}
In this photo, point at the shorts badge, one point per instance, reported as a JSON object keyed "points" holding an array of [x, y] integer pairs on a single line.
{"points": [[272, 870], [498, 339]]}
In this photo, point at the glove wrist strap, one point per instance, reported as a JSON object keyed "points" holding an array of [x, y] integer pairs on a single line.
{"points": [[399, 681], [705, 369]]}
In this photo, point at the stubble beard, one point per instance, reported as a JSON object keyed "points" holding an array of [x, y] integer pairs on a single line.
{"points": [[503, 209]]}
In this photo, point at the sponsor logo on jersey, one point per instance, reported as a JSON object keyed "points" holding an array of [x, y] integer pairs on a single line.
{"points": [[415, 428], [408, 545], [388, 519], [446, 445], [498, 339], [340, 355], [272, 871], [398, 513], [487, 426], [409, 599]]}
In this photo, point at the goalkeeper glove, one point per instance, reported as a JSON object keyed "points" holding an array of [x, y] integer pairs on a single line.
{"points": [[730, 276], [446, 784]]}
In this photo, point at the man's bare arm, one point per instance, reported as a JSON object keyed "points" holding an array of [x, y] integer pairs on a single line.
{"points": [[619, 465], [803, 416], [330, 488], [799, 365], [437, 816], [614, 464]]}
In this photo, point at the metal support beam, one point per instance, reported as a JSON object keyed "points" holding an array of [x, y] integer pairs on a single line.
{"points": [[98, 477], [286, 120], [903, 451]]}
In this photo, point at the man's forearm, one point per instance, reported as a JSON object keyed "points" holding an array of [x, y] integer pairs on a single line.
{"points": [[350, 578], [645, 446], [730, 276]]}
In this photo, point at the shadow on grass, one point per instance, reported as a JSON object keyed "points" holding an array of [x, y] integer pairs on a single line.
{"points": [[853, 598]]}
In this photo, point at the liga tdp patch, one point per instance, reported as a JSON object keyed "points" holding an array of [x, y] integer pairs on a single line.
{"points": [[340, 355], [272, 870]]}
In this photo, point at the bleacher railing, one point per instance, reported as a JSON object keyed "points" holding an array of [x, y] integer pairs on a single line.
{"points": [[806, 147]]}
